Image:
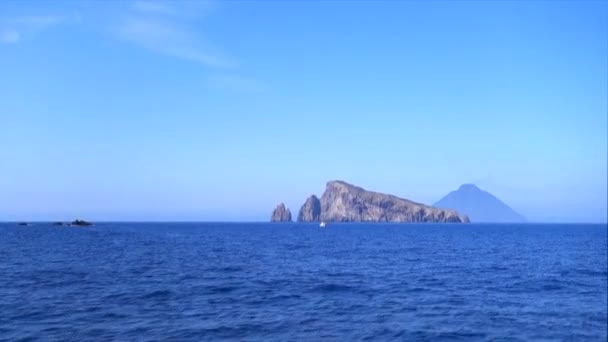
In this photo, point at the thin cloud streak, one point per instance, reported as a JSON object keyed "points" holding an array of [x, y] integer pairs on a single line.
{"points": [[39, 22], [162, 27], [14, 30], [9, 36], [182, 8], [167, 38], [154, 7], [165, 28]]}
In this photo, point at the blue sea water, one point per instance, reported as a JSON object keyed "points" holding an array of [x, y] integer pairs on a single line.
{"points": [[213, 281]]}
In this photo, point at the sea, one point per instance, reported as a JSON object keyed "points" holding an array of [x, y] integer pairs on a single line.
{"points": [[298, 282]]}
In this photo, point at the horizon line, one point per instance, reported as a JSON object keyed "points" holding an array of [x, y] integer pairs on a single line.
{"points": [[292, 222]]}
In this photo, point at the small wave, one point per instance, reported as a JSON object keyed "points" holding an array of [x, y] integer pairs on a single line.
{"points": [[308, 321], [116, 296], [332, 288], [533, 286], [187, 277], [411, 259], [591, 273], [113, 315], [159, 294], [241, 330], [460, 335], [221, 289], [51, 330], [91, 309], [551, 287], [31, 315], [343, 275], [228, 269], [284, 297], [293, 247], [139, 270], [497, 268]]}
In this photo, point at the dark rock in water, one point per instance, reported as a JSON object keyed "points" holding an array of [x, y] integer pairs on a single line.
{"points": [[343, 202], [311, 210], [59, 224], [280, 214], [479, 205], [23, 224], [81, 223]]}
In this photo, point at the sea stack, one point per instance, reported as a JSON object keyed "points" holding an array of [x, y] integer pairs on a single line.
{"points": [[311, 210], [280, 214]]}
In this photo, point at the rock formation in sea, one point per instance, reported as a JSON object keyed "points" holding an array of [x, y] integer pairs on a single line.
{"points": [[81, 223], [343, 202], [479, 205], [311, 210], [280, 214]]}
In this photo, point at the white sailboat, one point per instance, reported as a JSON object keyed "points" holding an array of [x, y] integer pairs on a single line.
{"points": [[322, 225]]}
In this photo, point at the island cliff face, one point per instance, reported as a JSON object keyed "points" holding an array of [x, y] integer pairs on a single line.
{"points": [[343, 202], [311, 210], [280, 214]]}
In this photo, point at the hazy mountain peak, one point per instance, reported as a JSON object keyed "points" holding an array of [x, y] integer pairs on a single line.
{"points": [[469, 187], [479, 205]]}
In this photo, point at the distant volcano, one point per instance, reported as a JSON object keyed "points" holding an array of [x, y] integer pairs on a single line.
{"points": [[478, 205]]}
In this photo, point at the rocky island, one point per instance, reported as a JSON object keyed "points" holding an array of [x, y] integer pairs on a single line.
{"points": [[280, 214], [343, 202], [81, 223], [311, 210]]}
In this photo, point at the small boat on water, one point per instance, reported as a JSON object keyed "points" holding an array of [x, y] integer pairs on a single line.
{"points": [[322, 225]]}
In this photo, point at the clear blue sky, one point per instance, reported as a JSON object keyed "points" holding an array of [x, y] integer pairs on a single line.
{"points": [[143, 110]]}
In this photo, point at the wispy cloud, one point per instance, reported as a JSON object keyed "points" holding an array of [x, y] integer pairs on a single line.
{"points": [[154, 7], [166, 37], [9, 36], [183, 8], [39, 22], [166, 28], [13, 30], [170, 28]]}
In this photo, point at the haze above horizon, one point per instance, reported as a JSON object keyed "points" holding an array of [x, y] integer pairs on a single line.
{"points": [[217, 111]]}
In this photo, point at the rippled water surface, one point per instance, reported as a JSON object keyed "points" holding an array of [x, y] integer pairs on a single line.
{"points": [[214, 281]]}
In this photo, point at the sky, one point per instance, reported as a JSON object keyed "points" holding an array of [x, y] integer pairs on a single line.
{"points": [[218, 111]]}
